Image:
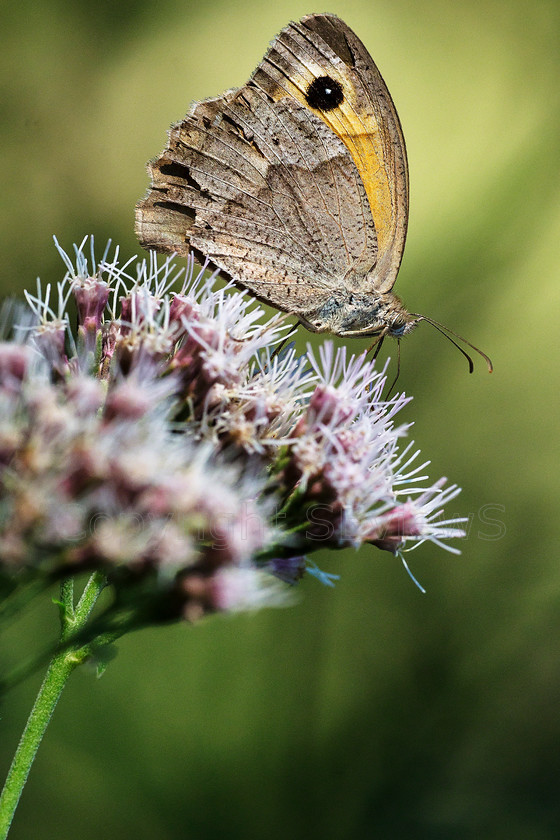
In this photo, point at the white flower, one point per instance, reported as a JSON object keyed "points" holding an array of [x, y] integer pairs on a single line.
{"points": [[168, 442]]}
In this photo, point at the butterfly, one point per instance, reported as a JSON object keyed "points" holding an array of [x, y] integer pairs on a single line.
{"points": [[295, 186]]}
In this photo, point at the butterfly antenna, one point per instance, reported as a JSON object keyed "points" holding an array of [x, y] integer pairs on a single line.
{"points": [[441, 328]]}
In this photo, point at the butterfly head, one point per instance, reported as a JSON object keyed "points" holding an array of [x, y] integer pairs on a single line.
{"points": [[402, 324], [388, 317]]}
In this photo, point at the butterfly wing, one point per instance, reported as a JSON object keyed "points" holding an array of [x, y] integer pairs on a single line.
{"points": [[365, 120], [281, 195], [266, 191]]}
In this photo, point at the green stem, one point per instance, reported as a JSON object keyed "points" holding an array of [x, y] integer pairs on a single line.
{"points": [[60, 668]]}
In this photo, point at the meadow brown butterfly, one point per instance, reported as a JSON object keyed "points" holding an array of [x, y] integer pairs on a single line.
{"points": [[295, 185]]}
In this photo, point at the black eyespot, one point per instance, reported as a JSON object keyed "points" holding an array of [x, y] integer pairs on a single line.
{"points": [[324, 94]]}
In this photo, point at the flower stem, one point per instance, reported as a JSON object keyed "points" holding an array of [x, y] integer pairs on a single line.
{"points": [[61, 666]]}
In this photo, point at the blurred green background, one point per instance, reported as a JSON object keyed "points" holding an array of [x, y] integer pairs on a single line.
{"points": [[369, 710]]}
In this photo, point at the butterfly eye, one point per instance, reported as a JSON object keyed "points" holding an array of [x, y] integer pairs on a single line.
{"points": [[398, 328], [324, 94]]}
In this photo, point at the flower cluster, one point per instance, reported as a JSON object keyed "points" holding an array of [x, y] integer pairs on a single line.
{"points": [[174, 442]]}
